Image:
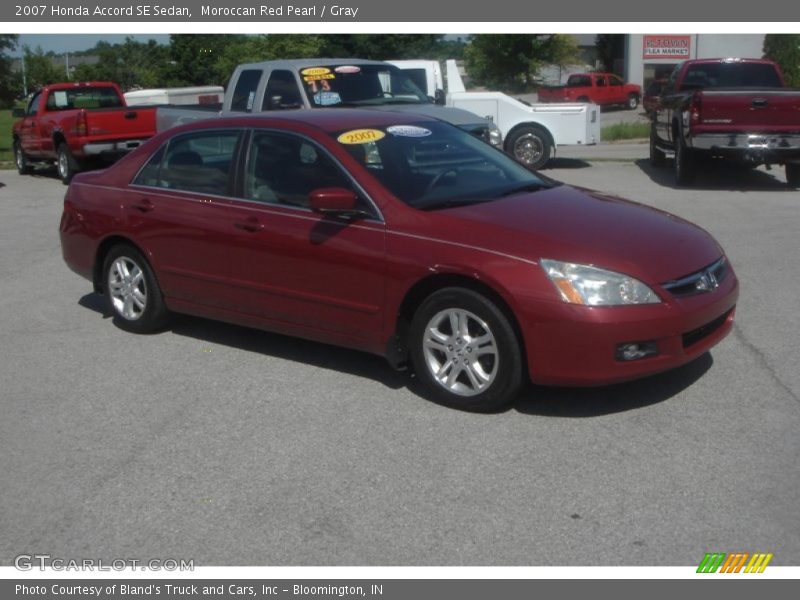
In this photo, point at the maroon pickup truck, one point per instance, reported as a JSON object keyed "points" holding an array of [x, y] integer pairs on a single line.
{"points": [[74, 124], [604, 89], [730, 108]]}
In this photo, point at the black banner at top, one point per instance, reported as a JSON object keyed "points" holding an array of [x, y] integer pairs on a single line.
{"points": [[372, 11]]}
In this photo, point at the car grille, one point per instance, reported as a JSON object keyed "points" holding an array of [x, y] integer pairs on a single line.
{"points": [[704, 280], [695, 335]]}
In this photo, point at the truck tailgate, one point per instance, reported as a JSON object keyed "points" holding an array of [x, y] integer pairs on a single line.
{"points": [[773, 110], [121, 123]]}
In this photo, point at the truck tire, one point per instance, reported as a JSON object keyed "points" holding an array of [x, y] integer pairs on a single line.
{"points": [[684, 163], [66, 164], [633, 102], [23, 166], [530, 145], [793, 175], [657, 157]]}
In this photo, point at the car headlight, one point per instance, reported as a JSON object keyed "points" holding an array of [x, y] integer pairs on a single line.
{"points": [[495, 136], [590, 286]]}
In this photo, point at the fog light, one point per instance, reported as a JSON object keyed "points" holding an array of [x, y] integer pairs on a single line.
{"points": [[636, 350]]}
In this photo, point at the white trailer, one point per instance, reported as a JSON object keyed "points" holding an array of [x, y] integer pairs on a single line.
{"points": [[181, 96], [532, 132]]}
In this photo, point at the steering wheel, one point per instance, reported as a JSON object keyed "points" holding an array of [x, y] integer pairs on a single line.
{"points": [[437, 179]]}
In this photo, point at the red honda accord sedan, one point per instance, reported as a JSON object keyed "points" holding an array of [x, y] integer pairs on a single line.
{"points": [[401, 236]]}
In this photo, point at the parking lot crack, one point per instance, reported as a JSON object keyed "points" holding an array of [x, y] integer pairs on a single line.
{"points": [[764, 362]]}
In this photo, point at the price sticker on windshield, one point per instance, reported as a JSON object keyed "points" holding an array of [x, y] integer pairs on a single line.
{"points": [[408, 131], [361, 136], [317, 74]]}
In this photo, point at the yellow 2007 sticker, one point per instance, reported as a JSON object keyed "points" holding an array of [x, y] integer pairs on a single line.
{"points": [[311, 71], [361, 136]]}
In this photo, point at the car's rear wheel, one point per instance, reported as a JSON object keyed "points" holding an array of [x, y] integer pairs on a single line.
{"points": [[657, 156], [530, 145], [67, 165], [633, 101], [21, 159], [133, 294], [683, 164], [793, 175], [465, 351]]}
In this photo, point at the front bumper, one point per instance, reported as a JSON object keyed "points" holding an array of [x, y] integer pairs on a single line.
{"points": [[577, 346]]}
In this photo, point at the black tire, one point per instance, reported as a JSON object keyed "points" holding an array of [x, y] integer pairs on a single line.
{"points": [[23, 166], [66, 164], [121, 290], [793, 175], [633, 102], [499, 368], [683, 164], [530, 146], [657, 156]]}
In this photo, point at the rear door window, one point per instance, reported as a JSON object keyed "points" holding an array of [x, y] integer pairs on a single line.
{"points": [[244, 93]]}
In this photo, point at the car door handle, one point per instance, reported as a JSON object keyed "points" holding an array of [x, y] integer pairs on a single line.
{"points": [[143, 205], [251, 224], [131, 115]]}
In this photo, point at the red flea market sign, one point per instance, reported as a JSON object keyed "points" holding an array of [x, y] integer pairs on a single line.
{"points": [[667, 46]]}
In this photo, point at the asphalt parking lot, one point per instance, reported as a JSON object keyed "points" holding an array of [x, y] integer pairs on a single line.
{"points": [[237, 447]]}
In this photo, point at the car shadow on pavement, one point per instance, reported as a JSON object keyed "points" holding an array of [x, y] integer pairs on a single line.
{"points": [[595, 402], [534, 400], [360, 364], [566, 163], [719, 175]]}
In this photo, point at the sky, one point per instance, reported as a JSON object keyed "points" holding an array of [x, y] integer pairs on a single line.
{"points": [[59, 43]]}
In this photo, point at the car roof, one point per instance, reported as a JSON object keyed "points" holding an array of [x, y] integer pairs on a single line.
{"points": [[300, 63], [328, 120]]}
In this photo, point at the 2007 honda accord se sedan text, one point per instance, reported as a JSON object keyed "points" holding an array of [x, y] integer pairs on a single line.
{"points": [[401, 236]]}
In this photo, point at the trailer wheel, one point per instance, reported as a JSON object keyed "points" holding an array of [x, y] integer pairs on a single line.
{"points": [[793, 175], [530, 145]]}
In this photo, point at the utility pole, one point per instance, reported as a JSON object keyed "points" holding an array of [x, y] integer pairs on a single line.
{"points": [[66, 63], [24, 76]]}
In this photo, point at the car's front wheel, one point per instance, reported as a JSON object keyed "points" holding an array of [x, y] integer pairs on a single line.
{"points": [[465, 351], [633, 102], [133, 294]]}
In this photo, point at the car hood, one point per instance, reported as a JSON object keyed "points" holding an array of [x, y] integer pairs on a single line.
{"points": [[455, 116], [581, 226]]}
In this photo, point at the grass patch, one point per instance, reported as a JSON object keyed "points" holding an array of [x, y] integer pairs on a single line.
{"points": [[625, 131], [5, 136]]}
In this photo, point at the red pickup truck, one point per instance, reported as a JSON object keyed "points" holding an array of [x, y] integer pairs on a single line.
{"points": [[76, 123], [604, 89], [730, 108]]}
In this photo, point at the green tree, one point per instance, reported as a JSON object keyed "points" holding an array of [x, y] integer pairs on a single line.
{"points": [[9, 88], [381, 46], [39, 68], [194, 59], [258, 48], [130, 64], [511, 62], [784, 49], [610, 48]]}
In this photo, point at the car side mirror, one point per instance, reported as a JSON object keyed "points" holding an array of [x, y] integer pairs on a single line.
{"points": [[439, 97], [336, 202], [18, 113]]}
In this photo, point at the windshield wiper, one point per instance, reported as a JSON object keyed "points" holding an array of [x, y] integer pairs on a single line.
{"points": [[451, 203], [527, 187]]}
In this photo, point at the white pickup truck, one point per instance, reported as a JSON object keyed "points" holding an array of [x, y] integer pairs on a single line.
{"points": [[339, 83], [532, 132]]}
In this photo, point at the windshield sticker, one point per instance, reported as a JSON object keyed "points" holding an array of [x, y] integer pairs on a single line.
{"points": [[317, 74], [348, 69], [326, 98], [361, 136], [408, 131]]}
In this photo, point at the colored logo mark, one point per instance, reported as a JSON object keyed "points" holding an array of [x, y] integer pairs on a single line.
{"points": [[734, 563]]}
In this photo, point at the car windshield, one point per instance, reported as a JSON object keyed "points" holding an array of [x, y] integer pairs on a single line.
{"points": [[432, 165], [359, 85]]}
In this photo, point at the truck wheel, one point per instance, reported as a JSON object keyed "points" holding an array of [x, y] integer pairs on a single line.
{"points": [[67, 165], [465, 351], [657, 157], [793, 175], [633, 102], [683, 164], [530, 145], [23, 166]]}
